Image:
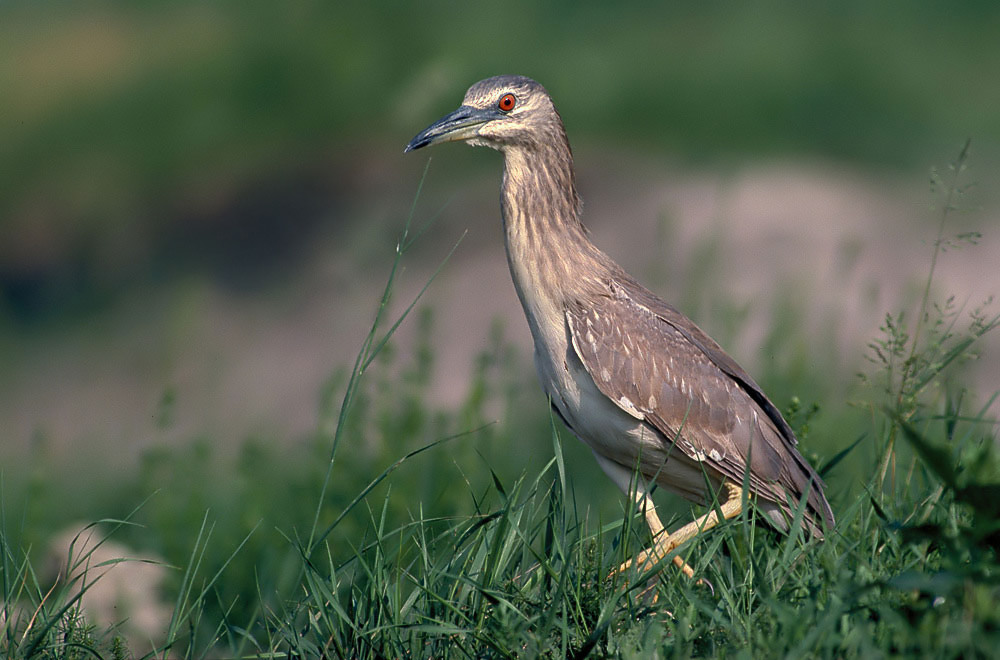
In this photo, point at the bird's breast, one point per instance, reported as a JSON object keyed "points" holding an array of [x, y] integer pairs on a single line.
{"points": [[595, 419]]}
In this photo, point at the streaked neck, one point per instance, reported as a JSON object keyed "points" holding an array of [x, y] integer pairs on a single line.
{"points": [[548, 251]]}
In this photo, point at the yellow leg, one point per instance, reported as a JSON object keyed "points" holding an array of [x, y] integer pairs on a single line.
{"points": [[664, 543]]}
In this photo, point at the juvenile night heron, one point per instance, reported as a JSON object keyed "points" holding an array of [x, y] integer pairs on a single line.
{"points": [[631, 376]]}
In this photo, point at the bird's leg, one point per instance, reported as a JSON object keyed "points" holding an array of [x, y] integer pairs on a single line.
{"points": [[731, 506], [636, 487], [664, 543]]}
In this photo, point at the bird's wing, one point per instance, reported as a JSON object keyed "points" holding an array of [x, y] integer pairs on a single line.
{"points": [[654, 363]]}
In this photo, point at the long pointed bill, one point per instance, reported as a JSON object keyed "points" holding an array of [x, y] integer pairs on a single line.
{"points": [[461, 124]]}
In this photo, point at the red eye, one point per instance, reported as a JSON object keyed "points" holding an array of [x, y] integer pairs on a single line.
{"points": [[507, 102]]}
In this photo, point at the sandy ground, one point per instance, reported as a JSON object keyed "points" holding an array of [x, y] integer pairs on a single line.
{"points": [[852, 245]]}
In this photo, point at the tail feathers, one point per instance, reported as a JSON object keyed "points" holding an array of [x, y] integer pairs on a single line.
{"points": [[814, 521]]}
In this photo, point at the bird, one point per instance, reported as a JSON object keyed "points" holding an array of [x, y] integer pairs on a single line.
{"points": [[658, 402]]}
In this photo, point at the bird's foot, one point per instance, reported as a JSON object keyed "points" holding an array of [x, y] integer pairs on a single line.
{"points": [[649, 593], [650, 557]]}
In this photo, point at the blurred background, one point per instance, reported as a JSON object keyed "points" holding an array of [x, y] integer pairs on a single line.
{"points": [[200, 203]]}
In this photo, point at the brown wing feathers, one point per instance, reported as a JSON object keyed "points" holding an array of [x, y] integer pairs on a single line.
{"points": [[657, 365]]}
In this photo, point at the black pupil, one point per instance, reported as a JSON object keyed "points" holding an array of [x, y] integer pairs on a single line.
{"points": [[507, 102]]}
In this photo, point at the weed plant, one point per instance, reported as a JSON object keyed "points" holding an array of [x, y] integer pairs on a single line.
{"points": [[445, 554]]}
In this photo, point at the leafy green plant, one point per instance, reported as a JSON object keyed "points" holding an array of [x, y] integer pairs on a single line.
{"points": [[39, 622], [912, 356], [948, 527]]}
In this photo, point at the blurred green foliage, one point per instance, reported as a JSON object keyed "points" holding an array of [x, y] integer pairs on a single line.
{"points": [[128, 128]]}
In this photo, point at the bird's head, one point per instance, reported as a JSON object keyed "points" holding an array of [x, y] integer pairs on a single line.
{"points": [[499, 112]]}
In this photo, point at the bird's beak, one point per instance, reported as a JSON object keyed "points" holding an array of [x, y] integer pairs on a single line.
{"points": [[461, 124]]}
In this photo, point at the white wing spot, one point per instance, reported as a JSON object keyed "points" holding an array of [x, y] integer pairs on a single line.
{"points": [[716, 456], [606, 375], [699, 456], [629, 407], [652, 402]]}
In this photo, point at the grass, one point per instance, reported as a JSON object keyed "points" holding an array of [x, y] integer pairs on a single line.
{"points": [[457, 549]]}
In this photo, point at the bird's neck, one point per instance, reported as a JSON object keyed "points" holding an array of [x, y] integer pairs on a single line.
{"points": [[551, 258]]}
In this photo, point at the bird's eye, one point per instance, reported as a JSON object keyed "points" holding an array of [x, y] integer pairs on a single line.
{"points": [[507, 102]]}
